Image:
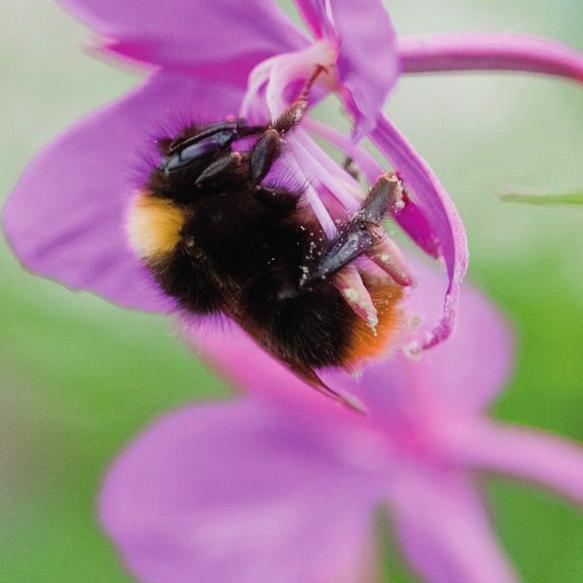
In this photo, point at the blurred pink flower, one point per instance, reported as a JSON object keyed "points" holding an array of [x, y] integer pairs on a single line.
{"points": [[282, 486], [214, 58]]}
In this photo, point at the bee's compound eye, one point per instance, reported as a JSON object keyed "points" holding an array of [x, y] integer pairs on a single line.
{"points": [[199, 149], [187, 155]]}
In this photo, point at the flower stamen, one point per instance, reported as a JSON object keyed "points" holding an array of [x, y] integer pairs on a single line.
{"points": [[350, 196], [349, 283], [365, 162]]}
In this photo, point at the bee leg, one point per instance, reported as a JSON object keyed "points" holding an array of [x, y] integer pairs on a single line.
{"points": [[268, 148], [362, 233], [386, 194], [264, 153], [354, 240], [225, 165]]}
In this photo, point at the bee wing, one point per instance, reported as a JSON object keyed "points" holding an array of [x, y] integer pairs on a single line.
{"points": [[309, 376]]}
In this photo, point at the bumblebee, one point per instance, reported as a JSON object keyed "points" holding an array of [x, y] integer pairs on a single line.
{"points": [[219, 240]]}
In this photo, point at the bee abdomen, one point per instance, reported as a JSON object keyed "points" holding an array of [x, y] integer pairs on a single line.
{"points": [[318, 329]]}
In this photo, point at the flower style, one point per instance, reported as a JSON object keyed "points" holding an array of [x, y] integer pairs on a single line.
{"points": [[210, 59], [282, 486]]}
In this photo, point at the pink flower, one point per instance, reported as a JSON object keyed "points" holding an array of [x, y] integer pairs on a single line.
{"points": [[282, 486], [214, 58]]}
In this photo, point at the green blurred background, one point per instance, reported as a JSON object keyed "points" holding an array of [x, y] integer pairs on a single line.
{"points": [[80, 377]]}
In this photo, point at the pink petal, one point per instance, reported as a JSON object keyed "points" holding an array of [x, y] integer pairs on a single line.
{"points": [[65, 218], [445, 532], [438, 208], [317, 15], [226, 38], [548, 460], [489, 52], [472, 367], [368, 65], [414, 222], [238, 492]]}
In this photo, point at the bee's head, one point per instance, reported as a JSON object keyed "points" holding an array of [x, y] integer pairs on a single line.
{"points": [[187, 155]]}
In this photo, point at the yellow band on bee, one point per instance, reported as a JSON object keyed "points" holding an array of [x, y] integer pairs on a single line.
{"points": [[154, 225]]}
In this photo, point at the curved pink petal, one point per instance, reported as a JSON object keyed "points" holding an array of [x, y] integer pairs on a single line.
{"points": [[521, 452], [489, 52], [317, 15], [368, 64], [438, 208], [238, 492], [417, 225], [225, 38], [444, 530], [65, 218]]}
